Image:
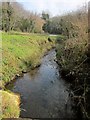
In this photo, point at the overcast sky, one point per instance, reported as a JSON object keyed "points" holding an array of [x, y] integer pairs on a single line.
{"points": [[55, 7]]}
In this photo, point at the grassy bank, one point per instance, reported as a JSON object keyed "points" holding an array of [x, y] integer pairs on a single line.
{"points": [[9, 105], [21, 52]]}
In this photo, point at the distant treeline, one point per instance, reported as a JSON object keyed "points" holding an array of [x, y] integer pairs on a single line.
{"points": [[15, 17], [69, 24]]}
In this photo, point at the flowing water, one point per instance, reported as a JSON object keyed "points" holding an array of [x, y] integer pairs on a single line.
{"points": [[44, 94]]}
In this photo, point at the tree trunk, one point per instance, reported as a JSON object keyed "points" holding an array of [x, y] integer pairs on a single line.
{"points": [[88, 29]]}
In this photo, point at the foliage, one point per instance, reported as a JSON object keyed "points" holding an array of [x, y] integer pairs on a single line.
{"points": [[45, 16], [60, 38], [73, 60], [6, 16], [66, 24], [73, 50], [14, 17]]}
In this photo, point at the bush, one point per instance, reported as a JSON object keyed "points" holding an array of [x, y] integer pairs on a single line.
{"points": [[60, 38]]}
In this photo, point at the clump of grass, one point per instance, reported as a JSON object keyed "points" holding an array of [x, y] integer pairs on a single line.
{"points": [[10, 105]]}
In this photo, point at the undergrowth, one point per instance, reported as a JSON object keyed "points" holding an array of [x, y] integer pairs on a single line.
{"points": [[74, 63]]}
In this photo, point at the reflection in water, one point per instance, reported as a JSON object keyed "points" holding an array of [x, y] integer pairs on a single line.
{"points": [[43, 93], [33, 73]]}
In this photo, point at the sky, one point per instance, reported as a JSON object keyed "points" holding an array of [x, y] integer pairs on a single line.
{"points": [[54, 7]]}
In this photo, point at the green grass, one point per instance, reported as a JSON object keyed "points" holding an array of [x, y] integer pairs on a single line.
{"points": [[21, 51]]}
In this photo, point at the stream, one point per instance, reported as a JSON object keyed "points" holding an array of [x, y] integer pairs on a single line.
{"points": [[44, 94]]}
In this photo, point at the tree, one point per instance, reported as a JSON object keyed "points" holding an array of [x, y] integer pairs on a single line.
{"points": [[45, 16], [7, 12], [89, 29], [15, 17]]}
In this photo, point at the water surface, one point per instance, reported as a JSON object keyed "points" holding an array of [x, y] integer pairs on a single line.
{"points": [[43, 92]]}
